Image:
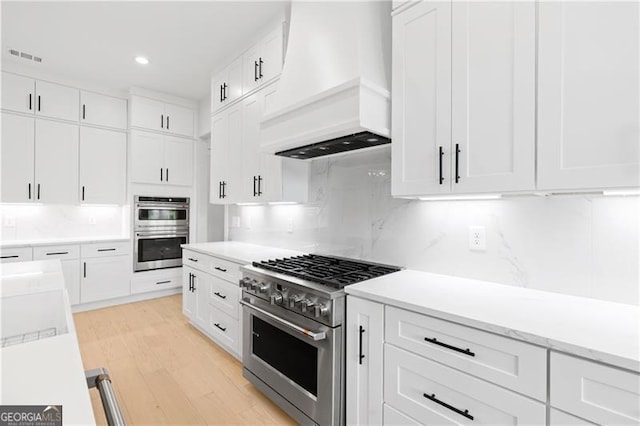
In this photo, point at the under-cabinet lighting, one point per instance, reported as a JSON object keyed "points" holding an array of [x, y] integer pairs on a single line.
{"points": [[23, 274], [282, 203], [461, 197], [629, 192], [142, 60]]}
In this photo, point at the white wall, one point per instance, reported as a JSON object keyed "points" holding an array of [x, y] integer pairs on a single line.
{"points": [[583, 245]]}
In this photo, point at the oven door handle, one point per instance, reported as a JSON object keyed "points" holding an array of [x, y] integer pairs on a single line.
{"points": [[161, 235], [313, 335]]}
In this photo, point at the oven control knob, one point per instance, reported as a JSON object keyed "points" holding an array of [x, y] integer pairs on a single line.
{"points": [[306, 304], [320, 310], [262, 288], [276, 298], [245, 282], [293, 300]]}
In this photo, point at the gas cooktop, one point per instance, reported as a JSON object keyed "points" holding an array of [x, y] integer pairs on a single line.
{"points": [[331, 271]]}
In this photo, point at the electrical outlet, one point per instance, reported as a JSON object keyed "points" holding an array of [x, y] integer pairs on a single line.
{"points": [[477, 238], [290, 225], [92, 220]]}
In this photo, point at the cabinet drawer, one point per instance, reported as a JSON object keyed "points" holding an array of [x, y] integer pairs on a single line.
{"points": [[224, 296], [598, 393], [56, 252], [105, 249], [17, 254], [195, 260], [155, 283], [224, 269], [223, 328], [559, 418], [395, 417], [506, 362], [432, 393]]}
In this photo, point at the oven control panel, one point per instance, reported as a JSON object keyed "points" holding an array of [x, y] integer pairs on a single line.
{"points": [[289, 297]]}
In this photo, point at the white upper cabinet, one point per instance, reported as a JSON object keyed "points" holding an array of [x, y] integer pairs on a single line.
{"points": [[493, 96], [56, 162], [226, 86], [463, 98], [588, 104], [263, 61], [155, 115], [421, 102], [219, 155], [161, 159], [226, 156], [103, 166], [26, 95], [18, 148], [101, 110]]}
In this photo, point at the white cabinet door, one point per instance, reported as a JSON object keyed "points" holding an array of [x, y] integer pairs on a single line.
{"points": [[102, 110], [71, 273], [421, 103], [147, 157], [233, 187], [250, 65], [57, 101], [18, 93], [271, 54], [147, 113], [178, 161], [493, 96], [364, 365], [251, 115], [56, 162], [217, 90], [104, 278], [188, 295], [17, 159], [588, 95], [201, 286], [103, 166], [234, 78], [219, 156], [178, 120], [559, 418]]}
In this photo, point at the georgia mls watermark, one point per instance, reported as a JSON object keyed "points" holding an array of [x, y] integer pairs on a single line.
{"points": [[30, 415]]}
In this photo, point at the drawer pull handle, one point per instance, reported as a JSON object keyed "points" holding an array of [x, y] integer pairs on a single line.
{"points": [[221, 296], [10, 257], [220, 269], [453, 348], [57, 252], [360, 354], [220, 327], [192, 259], [433, 398], [163, 282], [109, 249]]}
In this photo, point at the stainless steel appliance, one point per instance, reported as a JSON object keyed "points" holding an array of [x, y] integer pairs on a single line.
{"points": [[161, 226], [293, 339]]}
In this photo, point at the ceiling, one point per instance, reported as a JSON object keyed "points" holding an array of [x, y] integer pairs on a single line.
{"points": [[97, 41]]}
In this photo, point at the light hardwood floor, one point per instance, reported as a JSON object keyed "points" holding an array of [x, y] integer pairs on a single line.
{"points": [[164, 371]]}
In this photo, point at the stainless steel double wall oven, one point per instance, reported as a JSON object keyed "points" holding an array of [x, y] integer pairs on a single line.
{"points": [[161, 225]]}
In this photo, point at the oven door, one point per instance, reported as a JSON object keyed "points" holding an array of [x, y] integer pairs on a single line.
{"points": [[158, 249], [159, 214], [299, 359]]}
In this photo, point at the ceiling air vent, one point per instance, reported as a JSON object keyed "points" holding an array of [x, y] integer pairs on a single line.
{"points": [[25, 55]]}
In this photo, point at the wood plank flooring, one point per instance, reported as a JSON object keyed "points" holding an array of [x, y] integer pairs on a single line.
{"points": [[164, 371]]}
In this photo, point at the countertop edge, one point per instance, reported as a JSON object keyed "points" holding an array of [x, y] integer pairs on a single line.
{"points": [[60, 242]]}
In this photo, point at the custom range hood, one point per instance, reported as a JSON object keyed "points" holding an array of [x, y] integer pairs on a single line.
{"points": [[333, 94]]}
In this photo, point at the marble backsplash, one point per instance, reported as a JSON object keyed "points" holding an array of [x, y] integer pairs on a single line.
{"points": [[585, 245], [21, 222]]}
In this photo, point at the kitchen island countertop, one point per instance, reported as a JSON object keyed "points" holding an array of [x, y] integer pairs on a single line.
{"points": [[240, 252]]}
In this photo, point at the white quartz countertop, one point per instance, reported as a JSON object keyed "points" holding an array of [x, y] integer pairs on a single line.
{"points": [[599, 330], [239, 252], [60, 241], [48, 371]]}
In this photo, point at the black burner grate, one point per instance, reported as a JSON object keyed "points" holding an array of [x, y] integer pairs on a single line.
{"points": [[331, 271]]}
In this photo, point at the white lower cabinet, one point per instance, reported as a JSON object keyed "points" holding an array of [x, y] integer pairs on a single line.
{"points": [[365, 327], [434, 394], [162, 279], [16, 254], [595, 392], [210, 295], [106, 269], [69, 256], [395, 417], [559, 418]]}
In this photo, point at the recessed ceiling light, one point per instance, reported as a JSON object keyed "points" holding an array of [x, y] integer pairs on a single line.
{"points": [[142, 60]]}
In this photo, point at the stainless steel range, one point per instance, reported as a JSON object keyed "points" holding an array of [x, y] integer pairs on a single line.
{"points": [[293, 339]]}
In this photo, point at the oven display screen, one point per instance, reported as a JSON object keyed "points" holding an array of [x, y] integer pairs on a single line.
{"points": [[161, 214], [153, 249], [292, 357]]}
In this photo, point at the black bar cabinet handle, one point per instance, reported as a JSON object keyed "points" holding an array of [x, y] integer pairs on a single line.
{"points": [[457, 163], [162, 121], [190, 276], [224, 189], [30, 107], [192, 259], [29, 190], [220, 327], [255, 180], [193, 282], [85, 269], [83, 193], [163, 282], [38, 191], [221, 93], [433, 398], [453, 348], [259, 185], [160, 174], [220, 269], [255, 70], [221, 296], [224, 88], [167, 122], [57, 253], [38, 102], [260, 69], [15, 256], [166, 179], [440, 156], [360, 354], [84, 110], [107, 249]]}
